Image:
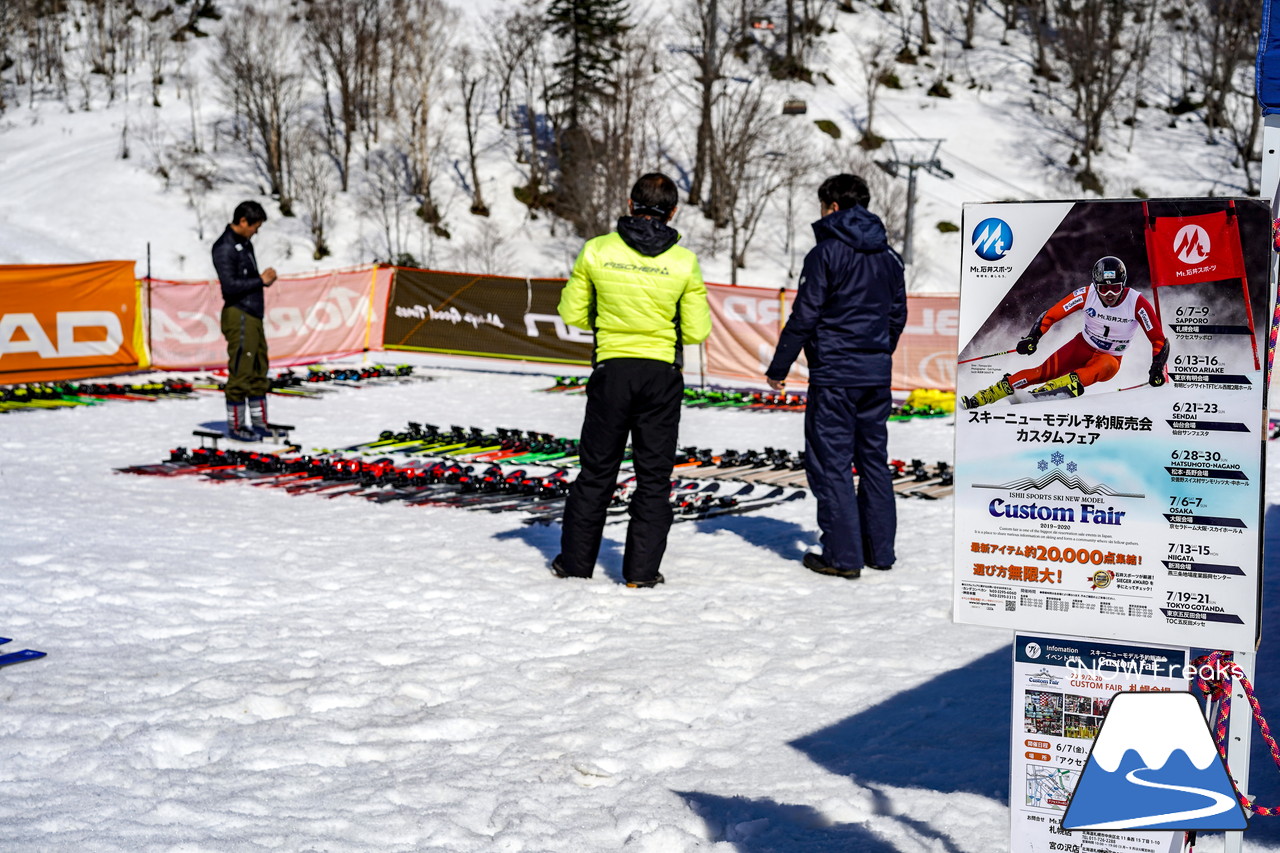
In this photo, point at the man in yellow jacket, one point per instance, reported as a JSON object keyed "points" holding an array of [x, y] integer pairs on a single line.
{"points": [[643, 297]]}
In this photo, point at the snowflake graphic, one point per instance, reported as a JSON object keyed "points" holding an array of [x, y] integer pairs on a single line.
{"points": [[1042, 465], [1072, 467], [1057, 458]]}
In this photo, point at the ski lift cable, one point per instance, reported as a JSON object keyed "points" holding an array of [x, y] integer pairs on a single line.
{"points": [[966, 163]]}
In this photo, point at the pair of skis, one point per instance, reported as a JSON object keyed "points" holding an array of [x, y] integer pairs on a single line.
{"points": [[692, 500]]}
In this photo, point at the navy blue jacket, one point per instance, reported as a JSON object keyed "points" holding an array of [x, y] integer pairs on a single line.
{"points": [[237, 268], [851, 306]]}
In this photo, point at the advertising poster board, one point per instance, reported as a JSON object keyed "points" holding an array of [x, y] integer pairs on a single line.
{"points": [[1089, 501], [1061, 689]]}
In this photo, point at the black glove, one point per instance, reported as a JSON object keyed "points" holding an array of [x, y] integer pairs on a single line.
{"points": [[1155, 376], [1027, 345]]}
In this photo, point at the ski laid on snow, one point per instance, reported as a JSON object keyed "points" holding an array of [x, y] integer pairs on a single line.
{"points": [[18, 657]]}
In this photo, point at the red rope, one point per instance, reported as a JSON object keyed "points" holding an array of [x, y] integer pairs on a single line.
{"points": [[1219, 690]]}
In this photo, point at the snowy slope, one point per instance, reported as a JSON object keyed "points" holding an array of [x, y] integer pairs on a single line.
{"points": [[237, 669], [71, 197]]}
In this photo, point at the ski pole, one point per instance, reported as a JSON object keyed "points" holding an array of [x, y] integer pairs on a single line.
{"points": [[992, 355]]}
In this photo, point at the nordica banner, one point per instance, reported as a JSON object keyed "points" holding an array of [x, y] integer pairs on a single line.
{"points": [[480, 315], [1109, 449]]}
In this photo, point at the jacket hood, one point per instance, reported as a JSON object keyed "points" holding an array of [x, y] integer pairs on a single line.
{"points": [[857, 227], [647, 236]]}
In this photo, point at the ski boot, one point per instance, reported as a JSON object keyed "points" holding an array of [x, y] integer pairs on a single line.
{"points": [[238, 428], [1064, 386], [258, 423], [987, 396]]}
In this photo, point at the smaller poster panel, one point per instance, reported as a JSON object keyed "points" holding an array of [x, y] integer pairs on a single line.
{"points": [[67, 321], [1061, 689], [482, 315]]}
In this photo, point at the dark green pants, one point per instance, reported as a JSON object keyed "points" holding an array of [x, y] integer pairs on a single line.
{"points": [[246, 355]]}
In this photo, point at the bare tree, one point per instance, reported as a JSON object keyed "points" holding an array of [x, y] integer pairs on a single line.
{"points": [[156, 43], [421, 49], [1099, 54], [970, 23], [511, 42], [703, 24], [342, 57], [473, 85], [384, 198], [873, 55], [1225, 33], [519, 52], [753, 147], [316, 192], [262, 84]]}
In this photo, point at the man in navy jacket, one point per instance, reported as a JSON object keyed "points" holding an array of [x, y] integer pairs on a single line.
{"points": [[243, 307], [848, 314]]}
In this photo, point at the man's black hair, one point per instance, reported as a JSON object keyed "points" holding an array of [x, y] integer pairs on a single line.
{"points": [[250, 211], [654, 194], [846, 190]]}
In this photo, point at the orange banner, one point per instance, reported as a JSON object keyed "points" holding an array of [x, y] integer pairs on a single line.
{"points": [[323, 315], [67, 321], [746, 322]]}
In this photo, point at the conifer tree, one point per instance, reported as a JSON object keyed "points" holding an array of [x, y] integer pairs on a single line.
{"points": [[591, 31]]}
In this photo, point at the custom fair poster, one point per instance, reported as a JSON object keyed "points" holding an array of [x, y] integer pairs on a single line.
{"points": [[1110, 426], [1062, 687]]}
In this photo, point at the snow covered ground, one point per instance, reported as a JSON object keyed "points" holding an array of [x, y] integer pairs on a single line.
{"points": [[237, 669]]}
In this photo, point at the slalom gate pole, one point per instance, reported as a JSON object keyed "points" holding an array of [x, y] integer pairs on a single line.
{"points": [[992, 355]]}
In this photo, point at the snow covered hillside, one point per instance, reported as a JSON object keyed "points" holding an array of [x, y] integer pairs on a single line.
{"points": [[107, 182]]}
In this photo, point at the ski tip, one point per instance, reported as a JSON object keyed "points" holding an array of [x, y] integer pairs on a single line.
{"points": [[20, 657]]}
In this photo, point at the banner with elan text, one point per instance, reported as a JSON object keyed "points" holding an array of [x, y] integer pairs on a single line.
{"points": [[746, 322], [307, 317], [67, 321]]}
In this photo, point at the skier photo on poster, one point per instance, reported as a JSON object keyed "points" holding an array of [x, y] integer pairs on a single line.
{"points": [[1113, 313], [1113, 488]]}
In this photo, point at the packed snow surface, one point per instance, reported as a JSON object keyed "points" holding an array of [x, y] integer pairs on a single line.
{"points": [[234, 668]]}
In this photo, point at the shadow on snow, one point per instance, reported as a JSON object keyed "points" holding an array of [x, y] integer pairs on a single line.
{"points": [[950, 734]]}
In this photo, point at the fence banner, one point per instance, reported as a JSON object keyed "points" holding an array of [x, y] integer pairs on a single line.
{"points": [[67, 321], [482, 315], [307, 317], [746, 322]]}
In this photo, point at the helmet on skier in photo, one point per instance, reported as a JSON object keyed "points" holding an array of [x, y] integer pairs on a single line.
{"points": [[1110, 278]]}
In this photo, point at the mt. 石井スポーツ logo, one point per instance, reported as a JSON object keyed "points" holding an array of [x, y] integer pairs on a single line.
{"points": [[1192, 245], [992, 239]]}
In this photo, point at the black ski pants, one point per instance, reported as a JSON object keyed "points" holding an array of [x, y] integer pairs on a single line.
{"points": [[626, 397], [844, 428]]}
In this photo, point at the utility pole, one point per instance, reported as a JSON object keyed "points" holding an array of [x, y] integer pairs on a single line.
{"points": [[913, 154]]}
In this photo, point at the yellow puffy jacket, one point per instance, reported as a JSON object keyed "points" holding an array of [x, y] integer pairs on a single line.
{"points": [[639, 306]]}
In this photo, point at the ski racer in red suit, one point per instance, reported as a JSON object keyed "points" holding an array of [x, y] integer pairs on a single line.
{"points": [[1113, 314]]}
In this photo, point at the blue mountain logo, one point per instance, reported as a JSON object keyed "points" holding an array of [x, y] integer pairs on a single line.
{"points": [[992, 239], [1154, 766]]}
